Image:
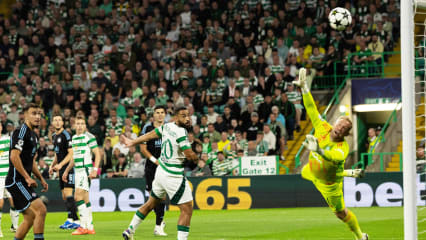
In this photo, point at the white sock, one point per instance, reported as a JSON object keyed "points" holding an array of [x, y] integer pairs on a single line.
{"points": [[136, 220], [70, 220], [183, 232], [89, 216], [14, 216], [82, 210], [182, 235]]}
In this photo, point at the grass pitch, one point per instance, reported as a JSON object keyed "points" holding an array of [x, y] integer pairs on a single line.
{"points": [[288, 223]]}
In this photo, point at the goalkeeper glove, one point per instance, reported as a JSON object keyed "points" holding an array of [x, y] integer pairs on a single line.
{"points": [[301, 82], [311, 143]]}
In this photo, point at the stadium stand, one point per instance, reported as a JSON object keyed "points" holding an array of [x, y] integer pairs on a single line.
{"points": [[230, 62]]}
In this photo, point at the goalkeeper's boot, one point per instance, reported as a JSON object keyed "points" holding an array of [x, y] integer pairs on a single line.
{"points": [[66, 225], [79, 231], [364, 236], [159, 230], [127, 235], [356, 173]]}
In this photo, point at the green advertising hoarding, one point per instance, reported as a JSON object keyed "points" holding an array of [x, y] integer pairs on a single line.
{"points": [[245, 192]]}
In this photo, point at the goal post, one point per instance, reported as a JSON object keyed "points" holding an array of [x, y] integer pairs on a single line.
{"points": [[408, 119]]}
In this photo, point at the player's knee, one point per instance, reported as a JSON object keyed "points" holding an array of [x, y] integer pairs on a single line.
{"points": [[186, 209], [341, 214]]}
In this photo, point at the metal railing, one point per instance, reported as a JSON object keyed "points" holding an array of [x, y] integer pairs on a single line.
{"points": [[370, 160]]}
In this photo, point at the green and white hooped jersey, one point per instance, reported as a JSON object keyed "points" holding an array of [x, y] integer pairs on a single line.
{"points": [[82, 146], [174, 142], [4, 155]]}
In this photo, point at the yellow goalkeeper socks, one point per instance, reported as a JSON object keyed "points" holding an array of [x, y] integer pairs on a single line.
{"points": [[352, 223]]}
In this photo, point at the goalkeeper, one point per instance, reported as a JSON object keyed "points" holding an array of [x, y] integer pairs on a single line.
{"points": [[329, 150]]}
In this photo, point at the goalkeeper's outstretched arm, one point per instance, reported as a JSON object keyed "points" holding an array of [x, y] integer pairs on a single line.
{"points": [[308, 100]]}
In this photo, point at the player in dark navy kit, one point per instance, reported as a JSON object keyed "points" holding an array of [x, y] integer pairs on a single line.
{"points": [[152, 151], [23, 153], [63, 149]]}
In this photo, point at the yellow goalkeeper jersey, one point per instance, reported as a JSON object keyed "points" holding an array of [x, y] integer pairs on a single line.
{"points": [[328, 168]]}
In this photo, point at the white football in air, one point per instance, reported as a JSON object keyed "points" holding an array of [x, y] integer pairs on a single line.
{"points": [[339, 18]]}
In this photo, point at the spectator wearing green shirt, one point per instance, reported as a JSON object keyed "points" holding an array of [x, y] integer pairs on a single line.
{"points": [[363, 58], [212, 133], [221, 166], [261, 145], [161, 98]]}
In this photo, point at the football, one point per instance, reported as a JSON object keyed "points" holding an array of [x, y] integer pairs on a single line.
{"points": [[339, 18]]}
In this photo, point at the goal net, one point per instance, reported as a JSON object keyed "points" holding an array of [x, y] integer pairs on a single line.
{"points": [[418, 30]]}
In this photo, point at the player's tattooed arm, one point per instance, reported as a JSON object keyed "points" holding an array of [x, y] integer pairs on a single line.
{"points": [[144, 138], [190, 155], [97, 153]]}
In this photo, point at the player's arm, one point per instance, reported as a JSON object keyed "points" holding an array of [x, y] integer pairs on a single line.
{"points": [[68, 169], [66, 160], [52, 166], [308, 100], [185, 147], [154, 134], [148, 154], [38, 175], [190, 155], [97, 153], [17, 163]]}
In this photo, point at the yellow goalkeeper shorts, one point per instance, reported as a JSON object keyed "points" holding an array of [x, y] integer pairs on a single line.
{"points": [[332, 193]]}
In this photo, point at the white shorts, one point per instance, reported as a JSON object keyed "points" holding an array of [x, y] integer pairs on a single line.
{"points": [[82, 179], [175, 186], [3, 191]]}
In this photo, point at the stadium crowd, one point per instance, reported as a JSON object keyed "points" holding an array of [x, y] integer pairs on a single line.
{"points": [[230, 62]]}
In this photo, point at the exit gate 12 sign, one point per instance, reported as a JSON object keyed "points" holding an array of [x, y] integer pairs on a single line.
{"points": [[263, 165]]}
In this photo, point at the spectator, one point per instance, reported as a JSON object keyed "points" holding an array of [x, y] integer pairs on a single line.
{"points": [[43, 168], [421, 160], [270, 138], [220, 125], [122, 167], [213, 135], [288, 110], [295, 97], [224, 144], [254, 126], [262, 148], [211, 115], [107, 157], [202, 169], [221, 166], [137, 167], [376, 47]]}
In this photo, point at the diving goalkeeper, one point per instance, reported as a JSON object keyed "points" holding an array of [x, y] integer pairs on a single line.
{"points": [[329, 150]]}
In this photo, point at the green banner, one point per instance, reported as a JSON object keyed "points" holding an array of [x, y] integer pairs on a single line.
{"points": [[244, 192]]}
